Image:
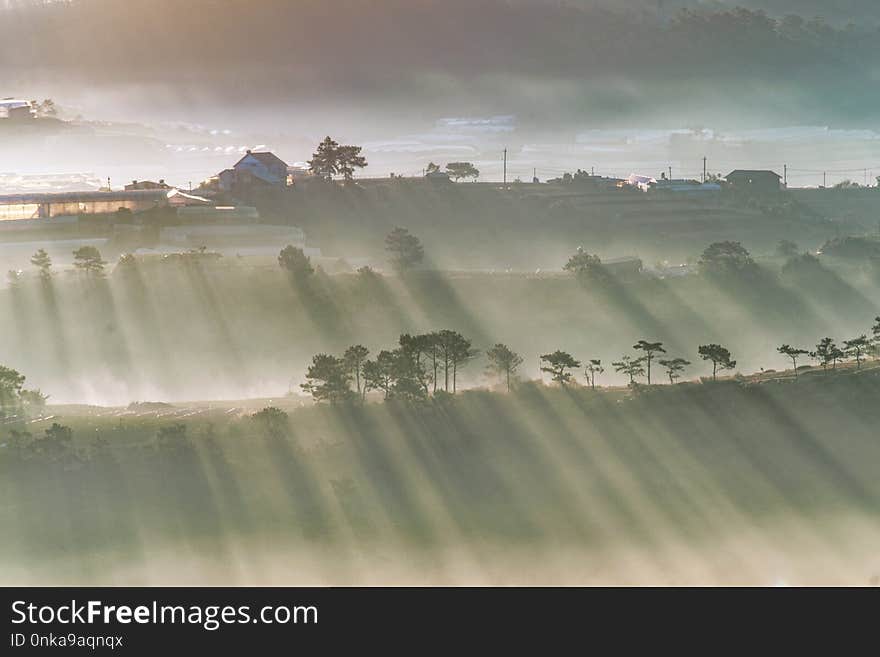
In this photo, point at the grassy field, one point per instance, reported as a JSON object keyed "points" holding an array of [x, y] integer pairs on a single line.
{"points": [[537, 226], [736, 482]]}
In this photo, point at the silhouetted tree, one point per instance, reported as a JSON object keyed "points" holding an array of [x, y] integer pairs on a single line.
{"points": [[503, 362], [719, 356], [462, 354], [397, 374], [379, 373], [630, 366], [583, 264], [294, 260], [419, 347], [325, 160], [434, 351], [409, 376], [649, 348], [273, 421], [354, 358], [43, 263], [875, 339], [674, 368], [594, 367], [328, 379], [349, 158], [827, 352], [126, 264], [454, 350], [88, 260], [794, 353], [332, 159], [558, 364], [33, 401], [404, 248], [11, 383], [725, 258], [459, 170], [56, 443], [856, 348]]}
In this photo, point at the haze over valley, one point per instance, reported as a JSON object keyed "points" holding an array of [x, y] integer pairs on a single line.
{"points": [[410, 292]]}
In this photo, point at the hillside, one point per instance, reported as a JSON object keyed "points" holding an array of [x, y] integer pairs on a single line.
{"points": [[468, 226], [695, 484], [234, 328]]}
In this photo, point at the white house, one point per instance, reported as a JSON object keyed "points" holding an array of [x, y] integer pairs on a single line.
{"points": [[12, 108]]}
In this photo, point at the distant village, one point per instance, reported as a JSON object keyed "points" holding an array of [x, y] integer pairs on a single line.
{"points": [[224, 208]]}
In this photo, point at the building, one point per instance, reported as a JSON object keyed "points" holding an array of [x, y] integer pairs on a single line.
{"points": [[48, 206], [254, 170], [684, 187], [17, 110], [759, 182], [640, 182], [625, 267], [140, 185], [179, 199]]}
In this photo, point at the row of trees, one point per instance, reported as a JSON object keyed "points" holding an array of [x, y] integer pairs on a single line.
{"points": [[86, 259], [334, 159], [455, 170], [559, 364], [424, 364], [418, 366], [89, 261], [828, 353], [721, 258], [405, 252], [404, 249], [429, 363]]}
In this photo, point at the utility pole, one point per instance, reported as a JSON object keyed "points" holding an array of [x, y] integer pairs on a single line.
{"points": [[704, 169], [109, 188], [785, 175], [670, 173], [505, 168], [824, 180]]}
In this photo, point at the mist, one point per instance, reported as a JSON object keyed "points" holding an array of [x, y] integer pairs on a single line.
{"points": [[381, 292]]}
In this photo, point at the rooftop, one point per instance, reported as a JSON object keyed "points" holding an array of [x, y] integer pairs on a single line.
{"points": [[268, 159], [753, 172], [73, 197]]}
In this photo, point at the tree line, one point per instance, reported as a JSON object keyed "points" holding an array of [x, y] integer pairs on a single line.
{"points": [[419, 366], [426, 364], [86, 259]]}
